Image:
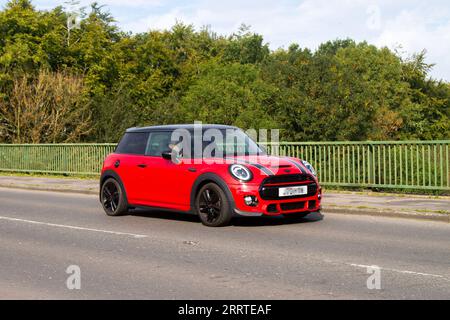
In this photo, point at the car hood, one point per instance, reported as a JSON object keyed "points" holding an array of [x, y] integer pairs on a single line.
{"points": [[271, 165]]}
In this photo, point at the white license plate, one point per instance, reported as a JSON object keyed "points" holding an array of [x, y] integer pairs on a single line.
{"points": [[293, 191]]}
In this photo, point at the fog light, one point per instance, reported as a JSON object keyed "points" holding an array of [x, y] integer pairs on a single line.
{"points": [[251, 201]]}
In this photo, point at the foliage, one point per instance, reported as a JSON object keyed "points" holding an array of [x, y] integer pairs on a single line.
{"points": [[105, 80], [45, 109]]}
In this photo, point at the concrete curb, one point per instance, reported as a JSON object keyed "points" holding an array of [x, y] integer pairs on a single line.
{"points": [[386, 194], [332, 210], [40, 188], [389, 214]]}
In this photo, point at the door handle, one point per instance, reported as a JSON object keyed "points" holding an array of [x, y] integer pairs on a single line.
{"points": [[142, 165]]}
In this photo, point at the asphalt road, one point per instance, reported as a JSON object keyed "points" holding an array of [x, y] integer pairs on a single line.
{"points": [[156, 255]]}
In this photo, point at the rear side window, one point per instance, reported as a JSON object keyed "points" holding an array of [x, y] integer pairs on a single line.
{"points": [[133, 143]]}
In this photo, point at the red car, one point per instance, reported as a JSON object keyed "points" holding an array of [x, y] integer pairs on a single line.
{"points": [[214, 171]]}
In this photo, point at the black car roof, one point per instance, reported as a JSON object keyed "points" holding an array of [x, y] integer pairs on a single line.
{"points": [[179, 126]]}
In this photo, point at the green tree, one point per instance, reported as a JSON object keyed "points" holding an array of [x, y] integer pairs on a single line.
{"points": [[46, 108], [232, 94], [245, 47], [428, 117]]}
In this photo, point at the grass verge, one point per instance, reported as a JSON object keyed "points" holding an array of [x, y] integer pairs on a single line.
{"points": [[49, 175]]}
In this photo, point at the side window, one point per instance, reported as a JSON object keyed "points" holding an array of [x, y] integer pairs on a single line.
{"points": [[133, 143], [158, 143]]}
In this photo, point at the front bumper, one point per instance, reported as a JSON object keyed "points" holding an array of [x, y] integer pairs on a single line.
{"points": [[301, 204]]}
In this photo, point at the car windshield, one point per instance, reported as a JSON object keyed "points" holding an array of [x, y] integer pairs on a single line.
{"points": [[228, 142]]}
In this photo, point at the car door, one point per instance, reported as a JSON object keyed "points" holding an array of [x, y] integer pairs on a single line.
{"points": [[131, 163], [168, 183]]}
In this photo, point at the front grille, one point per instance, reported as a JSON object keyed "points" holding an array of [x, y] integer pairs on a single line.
{"points": [[272, 192], [292, 206], [272, 208], [288, 178]]}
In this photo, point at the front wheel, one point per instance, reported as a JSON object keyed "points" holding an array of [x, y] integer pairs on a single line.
{"points": [[113, 198], [212, 206]]}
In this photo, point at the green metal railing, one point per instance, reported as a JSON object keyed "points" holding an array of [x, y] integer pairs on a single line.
{"points": [[403, 165], [76, 159], [406, 164]]}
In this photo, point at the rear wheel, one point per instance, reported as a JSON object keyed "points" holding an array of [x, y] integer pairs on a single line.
{"points": [[212, 206], [113, 198]]}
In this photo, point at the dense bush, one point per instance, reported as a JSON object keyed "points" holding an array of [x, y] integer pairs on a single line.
{"points": [[100, 80]]}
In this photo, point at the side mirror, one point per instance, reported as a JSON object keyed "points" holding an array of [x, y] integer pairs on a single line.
{"points": [[167, 155]]}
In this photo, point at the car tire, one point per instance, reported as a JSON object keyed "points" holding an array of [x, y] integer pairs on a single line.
{"points": [[113, 198], [213, 206]]}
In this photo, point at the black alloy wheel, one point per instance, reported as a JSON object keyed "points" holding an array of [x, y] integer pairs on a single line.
{"points": [[213, 207], [112, 198]]}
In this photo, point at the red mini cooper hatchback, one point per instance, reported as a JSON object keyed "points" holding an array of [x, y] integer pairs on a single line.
{"points": [[214, 171]]}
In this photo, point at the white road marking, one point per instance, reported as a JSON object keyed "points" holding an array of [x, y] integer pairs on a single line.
{"points": [[402, 271], [137, 236]]}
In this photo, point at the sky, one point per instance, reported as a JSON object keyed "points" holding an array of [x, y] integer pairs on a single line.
{"points": [[408, 26]]}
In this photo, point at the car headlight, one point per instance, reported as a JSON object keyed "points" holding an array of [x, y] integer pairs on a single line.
{"points": [[241, 172], [309, 167]]}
